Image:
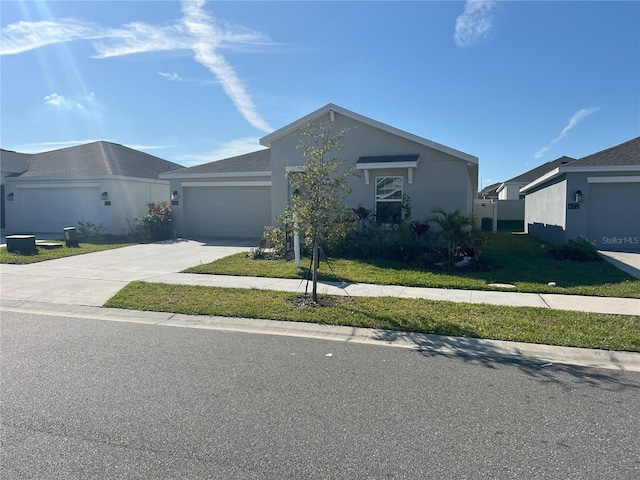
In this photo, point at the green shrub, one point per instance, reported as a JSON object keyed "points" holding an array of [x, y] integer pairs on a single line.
{"points": [[157, 225], [580, 249], [88, 229], [273, 239]]}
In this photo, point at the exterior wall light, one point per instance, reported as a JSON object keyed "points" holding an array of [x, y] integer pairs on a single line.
{"points": [[104, 196], [10, 197], [579, 196], [174, 195]]}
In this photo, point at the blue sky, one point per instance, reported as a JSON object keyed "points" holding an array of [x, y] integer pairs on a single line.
{"points": [[514, 83]]}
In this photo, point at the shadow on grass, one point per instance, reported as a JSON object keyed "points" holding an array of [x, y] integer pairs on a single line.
{"points": [[483, 353]]}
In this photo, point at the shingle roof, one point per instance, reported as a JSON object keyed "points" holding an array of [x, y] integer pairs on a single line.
{"points": [[537, 172], [259, 161], [97, 159], [627, 153], [14, 162]]}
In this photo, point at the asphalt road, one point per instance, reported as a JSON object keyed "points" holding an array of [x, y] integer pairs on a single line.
{"points": [[83, 398]]}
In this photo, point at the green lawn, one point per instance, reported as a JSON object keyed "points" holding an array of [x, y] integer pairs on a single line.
{"points": [[523, 324], [518, 260], [93, 245]]}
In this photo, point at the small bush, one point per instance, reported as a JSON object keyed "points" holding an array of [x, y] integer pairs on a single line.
{"points": [[579, 249], [273, 239], [88, 229], [157, 225], [256, 254]]}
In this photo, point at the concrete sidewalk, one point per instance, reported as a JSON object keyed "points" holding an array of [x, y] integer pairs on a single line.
{"points": [[80, 285]]}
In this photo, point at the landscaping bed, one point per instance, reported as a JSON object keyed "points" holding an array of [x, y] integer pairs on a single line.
{"points": [[513, 259]]}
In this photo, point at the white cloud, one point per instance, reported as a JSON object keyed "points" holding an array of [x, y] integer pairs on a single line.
{"points": [[85, 104], [573, 121], [474, 23], [174, 77], [197, 31], [24, 36], [200, 24]]}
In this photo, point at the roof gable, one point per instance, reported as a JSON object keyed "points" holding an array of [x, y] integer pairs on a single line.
{"points": [[332, 109]]}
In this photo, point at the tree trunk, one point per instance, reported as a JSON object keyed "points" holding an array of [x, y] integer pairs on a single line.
{"points": [[314, 275]]}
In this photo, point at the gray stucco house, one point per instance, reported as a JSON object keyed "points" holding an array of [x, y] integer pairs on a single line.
{"points": [[239, 196], [597, 197], [101, 182]]}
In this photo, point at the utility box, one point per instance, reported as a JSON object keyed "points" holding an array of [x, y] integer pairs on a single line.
{"points": [[71, 237], [487, 224], [22, 244]]}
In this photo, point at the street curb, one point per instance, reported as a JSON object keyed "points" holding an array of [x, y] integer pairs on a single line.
{"points": [[542, 355]]}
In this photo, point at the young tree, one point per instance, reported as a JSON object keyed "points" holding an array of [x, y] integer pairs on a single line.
{"points": [[318, 207], [456, 229]]}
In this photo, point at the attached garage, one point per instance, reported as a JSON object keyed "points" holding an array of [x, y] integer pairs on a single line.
{"points": [[238, 210], [52, 208], [614, 213], [599, 196]]}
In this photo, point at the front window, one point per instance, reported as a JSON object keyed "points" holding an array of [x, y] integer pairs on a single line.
{"points": [[388, 199]]}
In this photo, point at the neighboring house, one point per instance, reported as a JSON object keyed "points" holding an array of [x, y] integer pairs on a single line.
{"points": [[597, 197], [510, 190], [489, 193], [100, 182], [239, 196]]}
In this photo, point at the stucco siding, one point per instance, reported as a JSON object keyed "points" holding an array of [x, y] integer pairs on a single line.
{"points": [[439, 179], [545, 213]]}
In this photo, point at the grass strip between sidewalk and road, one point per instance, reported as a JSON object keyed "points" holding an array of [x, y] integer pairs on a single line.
{"points": [[521, 324]]}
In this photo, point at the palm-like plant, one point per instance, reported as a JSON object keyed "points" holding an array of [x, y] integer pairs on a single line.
{"points": [[456, 229]]}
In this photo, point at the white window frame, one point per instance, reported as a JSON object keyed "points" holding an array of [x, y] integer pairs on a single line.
{"points": [[378, 197]]}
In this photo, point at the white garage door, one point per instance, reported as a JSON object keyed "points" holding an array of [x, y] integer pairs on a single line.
{"points": [[227, 211], [614, 215], [50, 210]]}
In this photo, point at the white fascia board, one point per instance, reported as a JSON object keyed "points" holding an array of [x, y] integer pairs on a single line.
{"points": [[387, 165], [587, 169], [266, 140], [595, 169], [226, 184], [542, 179], [59, 185], [629, 179], [501, 187], [173, 176]]}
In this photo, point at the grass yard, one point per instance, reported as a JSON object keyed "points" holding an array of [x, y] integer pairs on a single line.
{"points": [[518, 260], [93, 245], [523, 324]]}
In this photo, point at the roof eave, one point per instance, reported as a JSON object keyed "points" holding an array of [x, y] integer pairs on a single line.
{"points": [[170, 176]]}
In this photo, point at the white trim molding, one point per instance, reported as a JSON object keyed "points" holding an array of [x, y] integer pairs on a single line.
{"points": [[57, 185], [226, 184], [629, 179]]}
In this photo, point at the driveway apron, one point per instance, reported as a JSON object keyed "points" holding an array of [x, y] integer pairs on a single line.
{"points": [[93, 278]]}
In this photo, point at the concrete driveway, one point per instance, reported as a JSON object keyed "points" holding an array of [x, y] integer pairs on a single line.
{"points": [[93, 278]]}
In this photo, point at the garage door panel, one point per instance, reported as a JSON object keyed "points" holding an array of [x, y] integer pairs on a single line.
{"points": [[614, 215], [227, 211], [52, 209]]}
